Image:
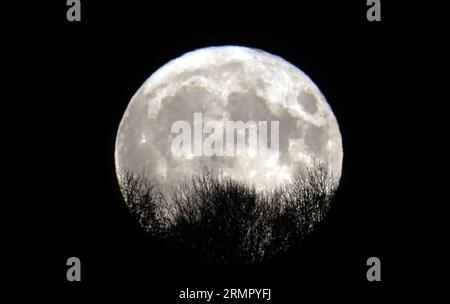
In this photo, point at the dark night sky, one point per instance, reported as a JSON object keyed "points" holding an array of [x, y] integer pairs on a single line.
{"points": [[76, 81]]}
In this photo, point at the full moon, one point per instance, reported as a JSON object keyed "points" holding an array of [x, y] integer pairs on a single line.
{"points": [[228, 83]]}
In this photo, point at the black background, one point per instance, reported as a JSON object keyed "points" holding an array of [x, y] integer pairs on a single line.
{"points": [[73, 81]]}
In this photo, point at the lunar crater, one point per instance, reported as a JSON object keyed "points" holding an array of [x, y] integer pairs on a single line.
{"points": [[228, 83]]}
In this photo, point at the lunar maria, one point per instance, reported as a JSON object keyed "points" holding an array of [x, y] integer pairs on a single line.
{"points": [[281, 147], [215, 130]]}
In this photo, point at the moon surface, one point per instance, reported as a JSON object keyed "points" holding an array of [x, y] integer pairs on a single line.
{"points": [[228, 83]]}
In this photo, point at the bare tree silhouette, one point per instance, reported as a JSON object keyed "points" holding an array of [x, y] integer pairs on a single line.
{"points": [[144, 201], [227, 221]]}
